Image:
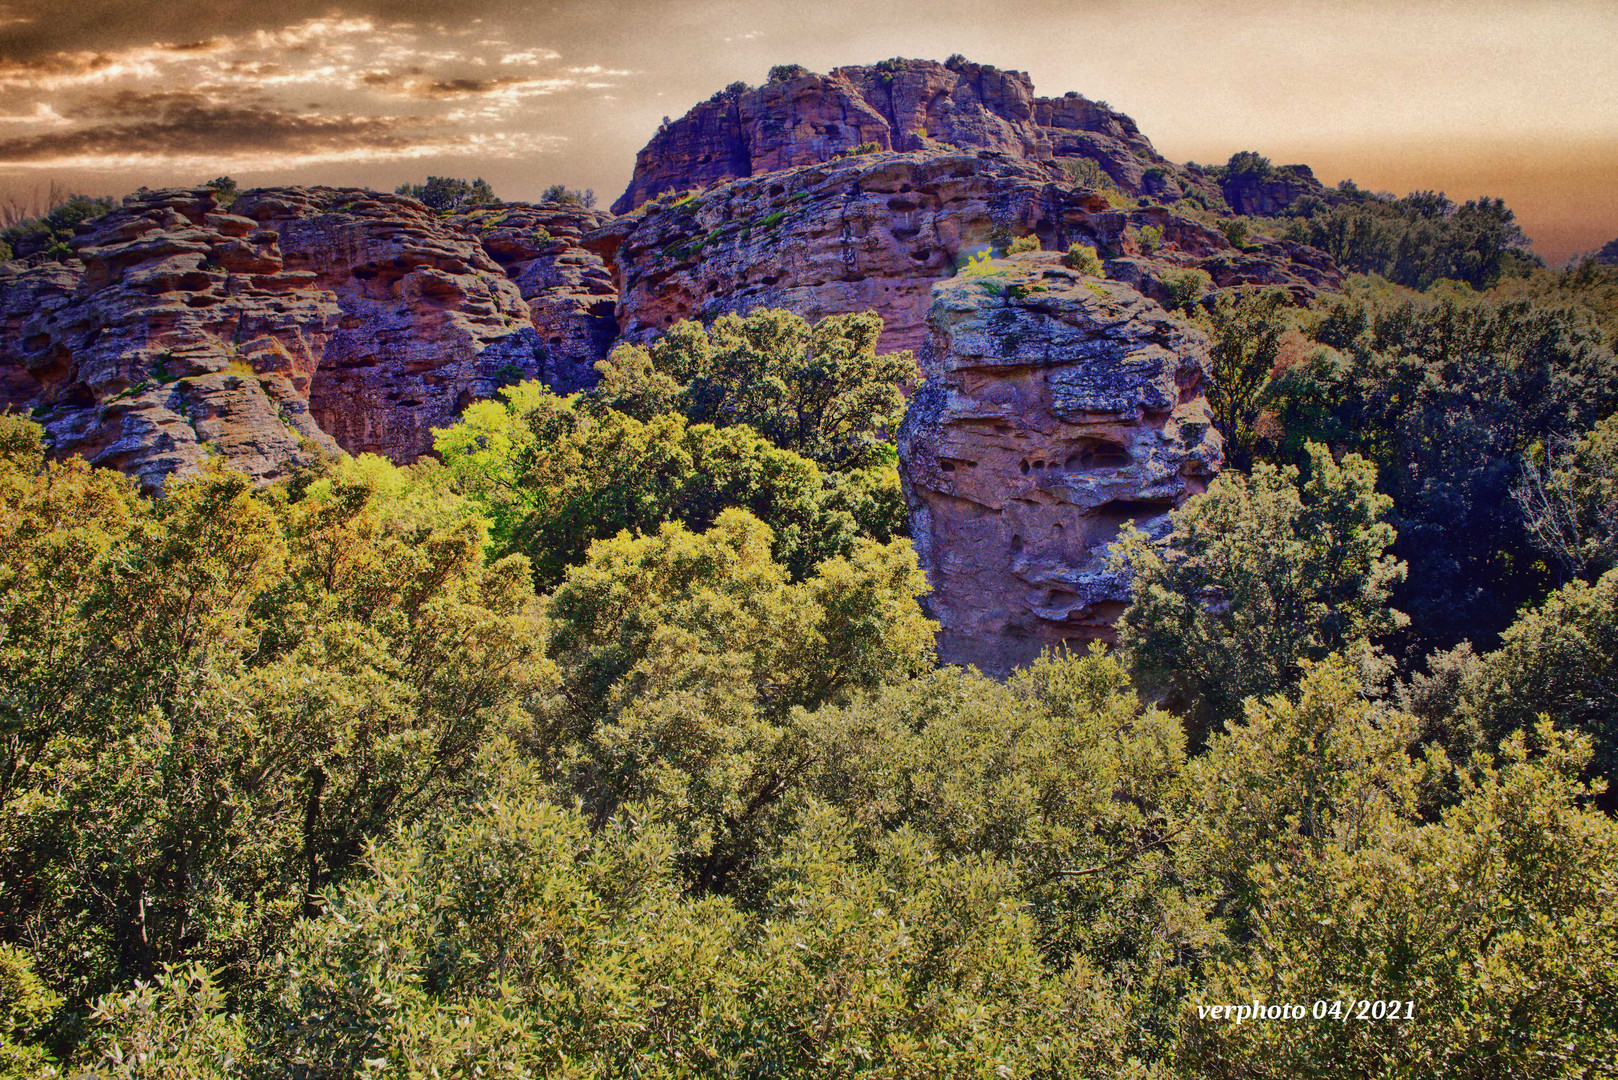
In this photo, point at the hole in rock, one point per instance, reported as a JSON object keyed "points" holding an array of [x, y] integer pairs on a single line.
{"points": [[1099, 454]]}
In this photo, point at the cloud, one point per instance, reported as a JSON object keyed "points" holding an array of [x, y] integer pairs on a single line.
{"points": [[335, 86]]}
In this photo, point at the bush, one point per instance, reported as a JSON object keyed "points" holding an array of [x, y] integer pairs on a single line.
{"points": [[786, 73], [48, 234], [1023, 244], [1235, 230], [1185, 287], [1083, 258], [447, 194]]}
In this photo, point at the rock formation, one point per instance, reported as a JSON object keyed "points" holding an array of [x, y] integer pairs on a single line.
{"points": [[875, 231], [1056, 409], [292, 321], [902, 105], [1269, 192], [569, 290]]}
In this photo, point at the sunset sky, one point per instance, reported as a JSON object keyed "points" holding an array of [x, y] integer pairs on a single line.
{"points": [[1513, 99]]}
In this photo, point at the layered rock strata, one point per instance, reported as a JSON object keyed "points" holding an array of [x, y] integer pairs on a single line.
{"points": [[569, 291], [290, 322], [178, 333], [1056, 410], [902, 105], [876, 231]]}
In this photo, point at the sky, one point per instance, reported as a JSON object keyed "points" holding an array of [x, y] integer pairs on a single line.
{"points": [[1514, 99]]}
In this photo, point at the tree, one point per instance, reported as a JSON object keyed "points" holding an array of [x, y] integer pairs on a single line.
{"points": [[213, 697], [1570, 502], [553, 476], [785, 73], [1259, 575], [822, 391], [447, 194], [1246, 328], [1556, 660], [1446, 396], [561, 193], [1492, 923]]}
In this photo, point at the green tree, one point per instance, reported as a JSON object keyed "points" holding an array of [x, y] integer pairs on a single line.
{"points": [[447, 194], [1492, 922], [1570, 502], [553, 476], [213, 697], [1246, 328], [822, 391], [1259, 575], [1446, 397], [1556, 660]]}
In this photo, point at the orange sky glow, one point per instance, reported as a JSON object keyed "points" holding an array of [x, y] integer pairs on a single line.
{"points": [[1517, 99]]}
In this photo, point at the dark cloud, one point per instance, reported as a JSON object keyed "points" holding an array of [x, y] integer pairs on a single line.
{"points": [[186, 124]]}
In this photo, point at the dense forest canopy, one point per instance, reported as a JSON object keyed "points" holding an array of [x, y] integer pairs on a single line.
{"points": [[612, 742], [611, 739]]}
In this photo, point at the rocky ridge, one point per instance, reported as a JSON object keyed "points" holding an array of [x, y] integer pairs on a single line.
{"points": [[1056, 409], [876, 231], [902, 105], [290, 322]]}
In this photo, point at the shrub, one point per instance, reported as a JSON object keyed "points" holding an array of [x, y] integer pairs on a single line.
{"points": [[854, 151], [1185, 287], [1083, 258], [447, 194], [1148, 238], [1022, 244], [786, 73], [1235, 230], [48, 234]]}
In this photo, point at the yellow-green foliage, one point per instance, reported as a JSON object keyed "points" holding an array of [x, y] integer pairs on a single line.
{"points": [[1083, 258], [308, 781]]}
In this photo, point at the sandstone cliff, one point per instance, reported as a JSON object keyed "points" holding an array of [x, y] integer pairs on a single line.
{"points": [[875, 231], [899, 104], [292, 321], [1056, 409]]}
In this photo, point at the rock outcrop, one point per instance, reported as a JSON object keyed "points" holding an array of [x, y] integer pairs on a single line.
{"points": [[1268, 192], [1056, 409], [569, 291], [178, 333], [902, 105], [876, 231], [293, 321]]}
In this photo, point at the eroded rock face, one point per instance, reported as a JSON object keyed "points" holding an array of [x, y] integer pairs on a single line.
{"points": [[569, 291], [866, 233], [179, 333], [903, 105], [1269, 194], [796, 122], [1056, 409], [874, 232], [293, 321], [430, 322]]}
